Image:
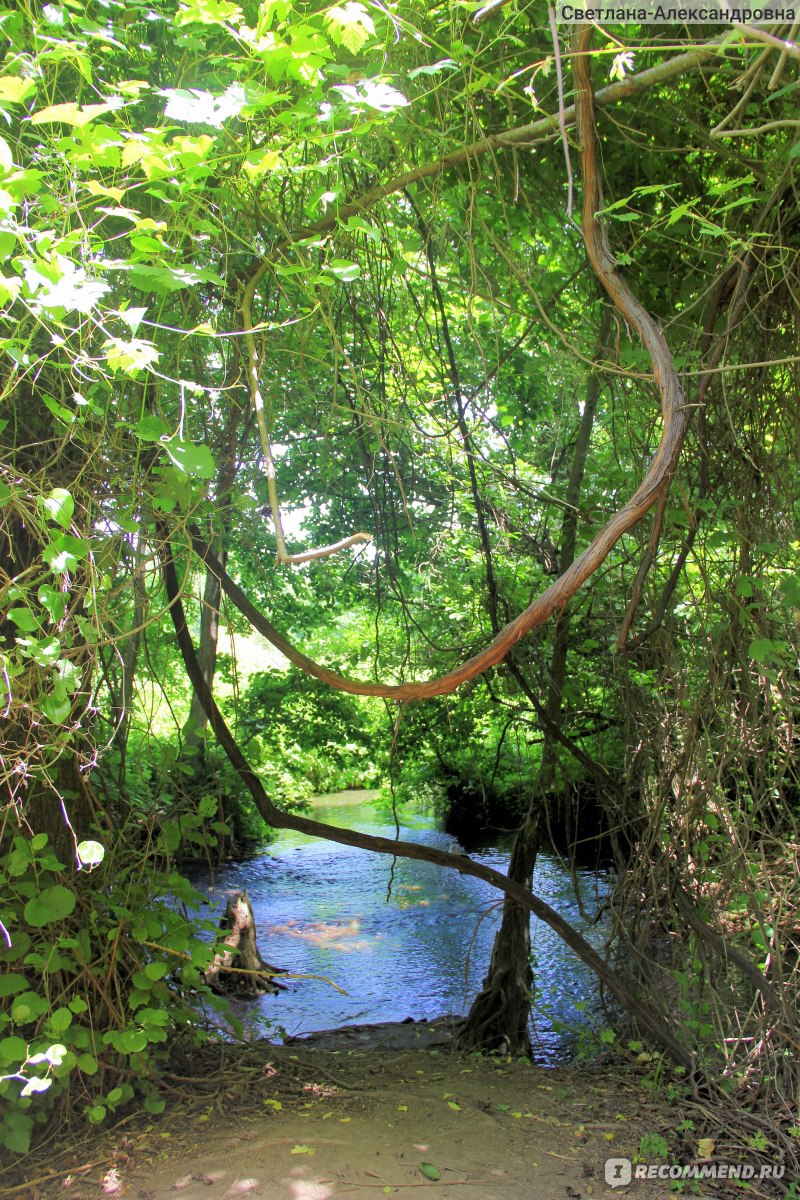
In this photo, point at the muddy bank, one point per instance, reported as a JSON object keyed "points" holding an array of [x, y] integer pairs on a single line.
{"points": [[313, 1121]]}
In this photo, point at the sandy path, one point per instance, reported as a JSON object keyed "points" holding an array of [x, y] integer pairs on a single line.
{"points": [[301, 1123]]}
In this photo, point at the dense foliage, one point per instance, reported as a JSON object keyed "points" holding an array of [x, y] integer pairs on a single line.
{"points": [[334, 245]]}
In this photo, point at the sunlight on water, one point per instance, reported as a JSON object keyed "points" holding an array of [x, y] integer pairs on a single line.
{"points": [[404, 939]]}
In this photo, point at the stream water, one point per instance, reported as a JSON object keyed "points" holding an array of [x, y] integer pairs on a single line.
{"points": [[404, 940]]}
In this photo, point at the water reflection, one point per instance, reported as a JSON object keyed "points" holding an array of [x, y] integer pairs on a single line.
{"points": [[403, 938]]}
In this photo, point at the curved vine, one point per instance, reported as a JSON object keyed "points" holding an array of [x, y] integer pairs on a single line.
{"points": [[654, 485]]}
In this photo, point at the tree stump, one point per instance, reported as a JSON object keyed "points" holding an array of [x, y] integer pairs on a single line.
{"points": [[239, 970]]}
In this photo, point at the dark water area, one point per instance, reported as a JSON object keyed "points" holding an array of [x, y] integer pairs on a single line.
{"points": [[403, 939]]}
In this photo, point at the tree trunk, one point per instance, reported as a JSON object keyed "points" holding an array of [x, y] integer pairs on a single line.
{"points": [[194, 731], [129, 657], [250, 974], [499, 1016]]}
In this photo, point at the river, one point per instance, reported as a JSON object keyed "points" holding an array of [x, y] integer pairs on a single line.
{"points": [[405, 940]]}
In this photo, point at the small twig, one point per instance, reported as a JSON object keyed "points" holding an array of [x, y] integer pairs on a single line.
{"points": [[782, 124], [641, 574], [761, 35], [397, 1186], [487, 10], [31, 1183], [754, 71], [783, 59]]}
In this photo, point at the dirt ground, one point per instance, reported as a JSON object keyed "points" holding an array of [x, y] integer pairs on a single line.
{"points": [[389, 1111]]}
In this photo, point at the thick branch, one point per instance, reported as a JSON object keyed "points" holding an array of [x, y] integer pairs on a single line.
{"points": [[526, 135], [350, 837]]}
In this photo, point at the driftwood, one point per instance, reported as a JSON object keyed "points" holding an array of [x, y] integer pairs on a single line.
{"points": [[251, 975]]}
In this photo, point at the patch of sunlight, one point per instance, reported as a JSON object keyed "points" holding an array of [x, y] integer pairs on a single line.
{"points": [[303, 1190], [252, 653]]}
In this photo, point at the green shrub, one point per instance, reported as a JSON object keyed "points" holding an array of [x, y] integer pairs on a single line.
{"points": [[102, 969]]}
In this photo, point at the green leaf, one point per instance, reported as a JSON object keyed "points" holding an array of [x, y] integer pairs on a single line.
{"points": [[57, 706], [53, 600], [71, 114], [156, 970], [766, 651], [90, 853], [87, 1063], [24, 619], [13, 1051], [132, 1041], [151, 429], [45, 652], [16, 1130], [96, 189], [208, 12], [444, 64], [65, 552], [350, 25], [15, 90], [133, 316], [6, 161], [130, 357], [10, 984], [59, 506], [50, 906], [164, 280], [302, 1149], [346, 271], [29, 1006], [430, 1171], [60, 1020], [191, 459], [97, 1114], [58, 410], [261, 164]]}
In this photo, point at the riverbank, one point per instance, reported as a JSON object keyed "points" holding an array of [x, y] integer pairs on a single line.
{"points": [[302, 1122]]}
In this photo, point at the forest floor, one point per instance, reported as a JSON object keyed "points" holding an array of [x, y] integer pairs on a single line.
{"points": [[381, 1110]]}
